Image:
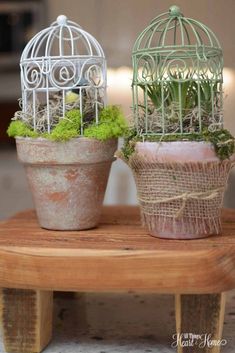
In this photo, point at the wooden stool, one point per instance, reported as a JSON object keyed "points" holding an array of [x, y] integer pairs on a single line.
{"points": [[116, 256]]}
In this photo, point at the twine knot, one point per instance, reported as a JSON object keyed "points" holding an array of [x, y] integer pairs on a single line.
{"points": [[200, 195]]}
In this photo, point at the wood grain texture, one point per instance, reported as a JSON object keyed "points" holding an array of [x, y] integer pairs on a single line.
{"points": [[199, 323], [117, 256], [26, 319]]}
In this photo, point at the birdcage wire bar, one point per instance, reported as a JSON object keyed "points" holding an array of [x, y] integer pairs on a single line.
{"points": [[58, 60], [177, 77]]}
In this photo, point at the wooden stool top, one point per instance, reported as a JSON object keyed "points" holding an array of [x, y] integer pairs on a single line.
{"points": [[117, 256]]}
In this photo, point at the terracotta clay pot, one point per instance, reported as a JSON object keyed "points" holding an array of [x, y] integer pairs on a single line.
{"points": [[180, 188], [67, 179]]}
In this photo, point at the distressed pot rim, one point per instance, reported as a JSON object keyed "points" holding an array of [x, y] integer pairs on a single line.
{"points": [[44, 139], [80, 150]]}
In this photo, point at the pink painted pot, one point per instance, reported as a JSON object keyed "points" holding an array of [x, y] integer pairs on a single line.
{"points": [[158, 170], [68, 180], [177, 151]]}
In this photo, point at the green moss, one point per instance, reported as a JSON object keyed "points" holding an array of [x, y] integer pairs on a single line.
{"points": [[19, 128], [129, 145], [222, 140], [128, 149], [112, 124], [67, 128]]}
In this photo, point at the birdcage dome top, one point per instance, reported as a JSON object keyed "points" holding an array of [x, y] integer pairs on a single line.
{"points": [[171, 30], [64, 38]]}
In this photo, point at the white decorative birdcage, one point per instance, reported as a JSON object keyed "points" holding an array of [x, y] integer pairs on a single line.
{"points": [[63, 67]]}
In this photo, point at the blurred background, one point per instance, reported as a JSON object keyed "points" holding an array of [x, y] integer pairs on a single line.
{"points": [[116, 25]]}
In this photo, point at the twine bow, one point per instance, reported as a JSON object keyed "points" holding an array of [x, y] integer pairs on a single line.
{"points": [[201, 195]]}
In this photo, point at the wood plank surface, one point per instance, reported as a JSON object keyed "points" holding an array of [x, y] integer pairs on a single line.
{"points": [[116, 256]]}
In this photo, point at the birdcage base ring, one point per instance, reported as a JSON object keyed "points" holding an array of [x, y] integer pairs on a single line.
{"points": [[67, 179], [180, 199]]}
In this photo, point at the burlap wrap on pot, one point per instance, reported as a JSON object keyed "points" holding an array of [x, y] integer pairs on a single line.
{"points": [[180, 200]]}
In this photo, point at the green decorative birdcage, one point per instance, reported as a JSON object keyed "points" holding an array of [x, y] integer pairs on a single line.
{"points": [[177, 77]]}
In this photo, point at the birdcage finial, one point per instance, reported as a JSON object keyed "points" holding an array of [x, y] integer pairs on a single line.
{"points": [[174, 11], [61, 20]]}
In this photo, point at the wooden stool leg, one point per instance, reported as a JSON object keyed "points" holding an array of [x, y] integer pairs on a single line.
{"points": [[26, 317], [203, 317]]}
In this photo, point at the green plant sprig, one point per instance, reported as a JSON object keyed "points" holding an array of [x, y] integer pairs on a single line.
{"points": [[179, 104], [189, 93]]}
